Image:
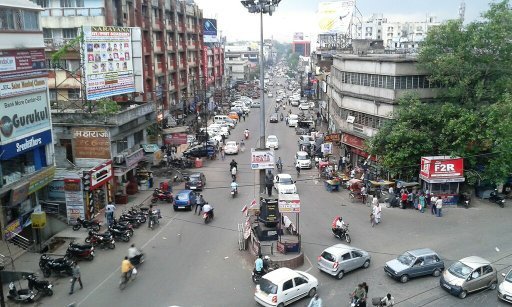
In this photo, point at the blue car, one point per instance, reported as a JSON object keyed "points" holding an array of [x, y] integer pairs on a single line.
{"points": [[185, 199]]}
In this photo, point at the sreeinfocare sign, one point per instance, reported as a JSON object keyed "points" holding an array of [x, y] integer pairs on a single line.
{"points": [[25, 144]]}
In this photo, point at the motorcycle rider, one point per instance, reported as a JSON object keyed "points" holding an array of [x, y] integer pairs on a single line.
{"points": [[297, 167], [258, 265], [279, 164], [134, 255], [233, 173], [359, 295], [339, 226], [233, 164], [126, 268], [234, 186], [154, 214], [246, 133], [208, 209]]}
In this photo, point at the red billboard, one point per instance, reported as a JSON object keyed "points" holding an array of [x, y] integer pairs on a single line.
{"points": [[176, 139], [441, 167], [22, 64]]}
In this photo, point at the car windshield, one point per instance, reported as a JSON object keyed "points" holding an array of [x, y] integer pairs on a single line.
{"points": [[459, 269], [267, 286], [285, 181], [272, 139], [509, 277], [182, 196], [194, 178], [302, 157], [406, 259]]}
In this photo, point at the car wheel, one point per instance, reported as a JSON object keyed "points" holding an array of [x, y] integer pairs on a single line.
{"points": [[175, 208], [404, 279], [463, 294], [312, 292], [366, 264], [340, 275], [493, 286], [436, 273]]}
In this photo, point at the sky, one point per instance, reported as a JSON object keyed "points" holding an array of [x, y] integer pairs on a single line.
{"points": [[236, 23]]}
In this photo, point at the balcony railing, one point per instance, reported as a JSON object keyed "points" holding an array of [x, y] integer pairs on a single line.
{"points": [[56, 43], [73, 11]]}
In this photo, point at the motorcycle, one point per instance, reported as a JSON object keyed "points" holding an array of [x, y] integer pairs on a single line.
{"points": [[42, 286], [208, 216], [137, 260], [342, 233], [153, 219], [136, 221], [246, 134], [89, 224], [233, 173], [101, 240], [78, 251], [392, 201], [256, 276], [118, 234], [123, 226], [139, 215], [161, 195], [268, 266], [497, 198], [23, 295], [59, 266], [279, 167], [355, 302], [234, 192], [282, 117]]}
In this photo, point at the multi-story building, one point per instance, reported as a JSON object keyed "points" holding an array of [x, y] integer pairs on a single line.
{"points": [[302, 48], [26, 147], [362, 92]]}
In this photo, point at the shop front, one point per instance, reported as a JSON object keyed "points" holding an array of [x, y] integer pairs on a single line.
{"points": [[125, 177], [152, 153], [65, 191], [442, 175], [98, 188]]}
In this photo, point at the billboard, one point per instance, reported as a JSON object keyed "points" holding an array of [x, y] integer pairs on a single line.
{"points": [[298, 36], [24, 144], [442, 167], [107, 55], [210, 30], [335, 17], [262, 158], [23, 115], [91, 143], [22, 64], [22, 87]]}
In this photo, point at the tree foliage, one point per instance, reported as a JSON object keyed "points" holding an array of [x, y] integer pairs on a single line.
{"points": [[472, 115], [107, 106]]}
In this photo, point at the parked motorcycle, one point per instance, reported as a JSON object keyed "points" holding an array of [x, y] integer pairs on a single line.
{"points": [[139, 215], [342, 233], [101, 240], [22, 296], [162, 196], [42, 286], [497, 198], [60, 266], [89, 224], [268, 266], [135, 220], [79, 251], [123, 226], [118, 234]]}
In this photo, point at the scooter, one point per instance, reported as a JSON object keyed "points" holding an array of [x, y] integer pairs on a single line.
{"points": [[78, 251], [497, 198], [208, 216], [153, 219], [90, 224], [234, 192], [342, 234], [23, 295], [42, 286], [246, 134]]}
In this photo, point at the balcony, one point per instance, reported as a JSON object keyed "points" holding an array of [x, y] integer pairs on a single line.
{"points": [[170, 25], [64, 115], [73, 12], [55, 43]]}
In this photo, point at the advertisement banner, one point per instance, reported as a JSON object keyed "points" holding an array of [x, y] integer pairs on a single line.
{"points": [[327, 148], [101, 174], [19, 194], [353, 141], [298, 36], [262, 158], [38, 220], [15, 148], [23, 115], [42, 179], [176, 139], [22, 64], [22, 87], [205, 62], [92, 143], [209, 27], [441, 167], [13, 229], [107, 57], [56, 190], [335, 17], [332, 137], [74, 199], [289, 203]]}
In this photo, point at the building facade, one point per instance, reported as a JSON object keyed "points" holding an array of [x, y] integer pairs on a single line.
{"points": [[362, 92], [26, 144], [302, 48]]}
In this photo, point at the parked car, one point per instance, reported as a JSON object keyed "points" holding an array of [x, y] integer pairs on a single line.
{"points": [[272, 142], [231, 148], [414, 263], [340, 259], [199, 151], [274, 118], [304, 106], [270, 94], [293, 119], [306, 140], [196, 181], [303, 158], [284, 286], [185, 199], [505, 288], [468, 275], [234, 115], [256, 104], [284, 184]]}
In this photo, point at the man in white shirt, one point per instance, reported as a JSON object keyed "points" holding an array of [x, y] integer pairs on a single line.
{"points": [[439, 206], [288, 224], [433, 200], [208, 209], [387, 301]]}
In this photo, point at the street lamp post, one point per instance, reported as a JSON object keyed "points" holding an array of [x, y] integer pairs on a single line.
{"points": [[261, 7]]}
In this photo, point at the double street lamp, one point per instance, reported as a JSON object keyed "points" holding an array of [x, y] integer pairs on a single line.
{"points": [[261, 7]]}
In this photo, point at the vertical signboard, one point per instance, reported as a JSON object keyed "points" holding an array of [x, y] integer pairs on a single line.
{"points": [[108, 66], [74, 199], [205, 63], [210, 30]]}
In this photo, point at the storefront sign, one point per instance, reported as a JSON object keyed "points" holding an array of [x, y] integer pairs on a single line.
{"points": [[353, 141], [332, 137], [22, 64], [38, 220], [205, 62], [134, 158], [19, 193], [56, 190], [72, 185], [289, 203], [101, 174], [176, 139], [23, 115], [262, 159], [92, 143], [22, 87], [42, 179], [327, 148], [11, 150], [13, 229], [441, 167]]}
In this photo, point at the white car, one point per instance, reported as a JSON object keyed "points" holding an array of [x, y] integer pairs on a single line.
{"points": [[303, 159], [505, 288], [272, 142], [231, 148], [225, 122], [304, 139], [293, 120], [270, 95], [294, 103], [304, 106], [284, 286], [284, 184], [222, 130]]}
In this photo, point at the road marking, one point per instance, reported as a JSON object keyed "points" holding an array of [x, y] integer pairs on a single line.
{"points": [[116, 270], [310, 264]]}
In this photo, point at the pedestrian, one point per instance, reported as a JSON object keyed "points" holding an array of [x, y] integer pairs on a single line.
{"points": [[242, 145], [403, 199], [439, 206], [433, 205], [243, 116], [410, 199], [427, 197], [223, 139], [365, 286], [109, 213], [364, 194], [199, 204], [422, 203], [316, 301], [222, 154], [75, 276], [376, 213]]}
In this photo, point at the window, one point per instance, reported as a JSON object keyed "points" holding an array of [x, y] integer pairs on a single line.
{"points": [[47, 33], [43, 3], [53, 95], [123, 145], [30, 20], [299, 281], [419, 261], [74, 93], [138, 137], [288, 285], [487, 270], [345, 257], [69, 33], [356, 254], [476, 273], [431, 259]]}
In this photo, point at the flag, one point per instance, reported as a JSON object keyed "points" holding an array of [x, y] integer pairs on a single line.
{"points": [[253, 203], [244, 209]]}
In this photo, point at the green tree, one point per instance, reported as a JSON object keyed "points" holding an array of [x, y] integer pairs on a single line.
{"points": [[471, 117], [107, 106], [293, 61]]}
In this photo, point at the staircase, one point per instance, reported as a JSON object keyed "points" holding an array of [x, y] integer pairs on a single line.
{"points": [[21, 242]]}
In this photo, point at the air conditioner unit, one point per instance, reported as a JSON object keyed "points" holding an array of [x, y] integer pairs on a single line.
{"points": [[118, 159]]}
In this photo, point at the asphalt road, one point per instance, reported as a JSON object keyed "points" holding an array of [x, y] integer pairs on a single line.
{"points": [[192, 264]]}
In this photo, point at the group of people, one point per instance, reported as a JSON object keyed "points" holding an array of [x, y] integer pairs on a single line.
{"points": [[421, 200], [360, 297]]}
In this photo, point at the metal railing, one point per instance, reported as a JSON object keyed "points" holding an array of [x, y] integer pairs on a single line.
{"points": [[20, 241]]}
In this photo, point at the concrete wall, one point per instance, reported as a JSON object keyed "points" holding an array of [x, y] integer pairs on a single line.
{"points": [[22, 40]]}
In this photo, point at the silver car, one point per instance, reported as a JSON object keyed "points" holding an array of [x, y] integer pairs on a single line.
{"points": [[505, 288], [340, 259]]}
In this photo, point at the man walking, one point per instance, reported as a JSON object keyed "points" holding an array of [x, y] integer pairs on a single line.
{"points": [[109, 213], [76, 276], [439, 206], [199, 204], [433, 205], [316, 301]]}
